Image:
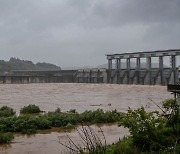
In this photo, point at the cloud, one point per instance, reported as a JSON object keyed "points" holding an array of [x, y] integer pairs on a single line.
{"points": [[80, 33]]}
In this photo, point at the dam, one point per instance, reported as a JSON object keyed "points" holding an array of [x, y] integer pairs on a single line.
{"points": [[129, 75], [148, 75]]}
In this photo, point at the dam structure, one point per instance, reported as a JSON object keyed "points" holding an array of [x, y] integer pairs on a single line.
{"points": [[32, 76], [147, 75], [136, 74]]}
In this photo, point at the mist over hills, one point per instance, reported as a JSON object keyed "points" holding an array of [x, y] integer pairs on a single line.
{"points": [[18, 64]]}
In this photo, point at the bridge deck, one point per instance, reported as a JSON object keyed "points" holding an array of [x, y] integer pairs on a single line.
{"points": [[170, 52]]}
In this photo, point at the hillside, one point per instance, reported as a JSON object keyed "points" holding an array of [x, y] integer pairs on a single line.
{"points": [[17, 64]]}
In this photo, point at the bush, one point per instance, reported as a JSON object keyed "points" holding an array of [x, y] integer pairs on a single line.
{"points": [[99, 116], [6, 124], [25, 124], [61, 119], [123, 146], [154, 131], [6, 111], [32, 108], [6, 137], [29, 123]]}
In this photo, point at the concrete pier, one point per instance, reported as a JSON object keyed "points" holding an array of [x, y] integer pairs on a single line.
{"points": [[148, 75], [138, 68]]}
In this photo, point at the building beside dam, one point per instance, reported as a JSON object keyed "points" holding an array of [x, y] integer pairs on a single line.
{"points": [[129, 75]]}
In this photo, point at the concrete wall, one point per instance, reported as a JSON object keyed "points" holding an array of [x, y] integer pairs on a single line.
{"points": [[65, 76], [91, 76]]}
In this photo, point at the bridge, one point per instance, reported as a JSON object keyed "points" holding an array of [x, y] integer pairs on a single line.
{"points": [[129, 75], [148, 75]]}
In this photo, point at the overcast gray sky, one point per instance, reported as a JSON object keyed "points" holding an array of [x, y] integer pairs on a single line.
{"points": [[73, 33]]}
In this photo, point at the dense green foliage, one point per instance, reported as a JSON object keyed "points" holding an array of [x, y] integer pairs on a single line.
{"points": [[124, 146], [150, 132], [30, 109], [30, 123], [6, 111], [153, 131], [6, 137]]}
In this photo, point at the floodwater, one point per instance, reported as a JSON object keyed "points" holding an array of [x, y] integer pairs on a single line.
{"points": [[49, 141], [78, 96]]}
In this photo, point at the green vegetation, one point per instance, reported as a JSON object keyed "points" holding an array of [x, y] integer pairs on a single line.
{"points": [[6, 137], [154, 131], [6, 111], [124, 146], [150, 132], [28, 122], [30, 109]]}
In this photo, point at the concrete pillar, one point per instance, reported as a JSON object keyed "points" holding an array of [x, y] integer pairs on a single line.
{"points": [[118, 66], [161, 70], [173, 64], [90, 76], [109, 70], [128, 69], [148, 64], [138, 68], [109, 64]]}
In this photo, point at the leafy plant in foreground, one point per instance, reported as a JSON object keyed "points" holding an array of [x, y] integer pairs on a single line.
{"points": [[154, 131]]}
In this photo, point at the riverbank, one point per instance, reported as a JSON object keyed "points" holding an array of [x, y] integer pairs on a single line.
{"points": [[75, 96], [149, 131], [31, 119]]}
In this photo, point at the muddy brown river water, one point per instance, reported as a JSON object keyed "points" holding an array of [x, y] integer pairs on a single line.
{"points": [[74, 96]]}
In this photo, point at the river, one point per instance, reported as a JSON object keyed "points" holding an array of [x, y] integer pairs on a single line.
{"points": [[78, 96]]}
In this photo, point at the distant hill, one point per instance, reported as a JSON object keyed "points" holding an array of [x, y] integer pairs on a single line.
{"points": [[18, 64]]}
